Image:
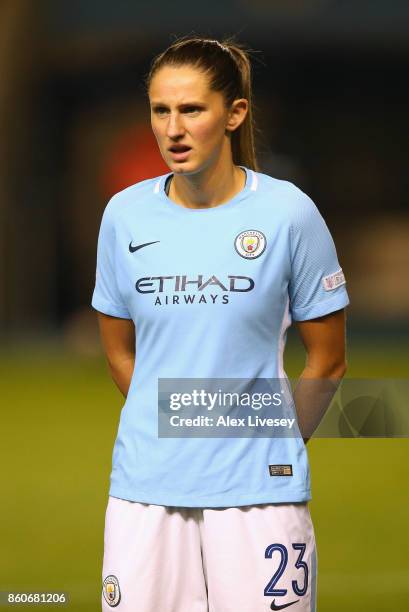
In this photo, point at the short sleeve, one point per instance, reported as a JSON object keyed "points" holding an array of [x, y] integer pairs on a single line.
{"points": [[106, 297], [317, 284]]}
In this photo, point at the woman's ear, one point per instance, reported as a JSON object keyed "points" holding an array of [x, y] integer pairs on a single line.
{"points": [[237, 114]]}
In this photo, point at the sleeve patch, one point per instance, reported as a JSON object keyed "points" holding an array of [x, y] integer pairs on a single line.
{"points": [[333, 280]]}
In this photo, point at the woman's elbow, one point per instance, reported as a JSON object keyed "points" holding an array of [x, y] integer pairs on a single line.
{"points": [[326, 367], [338, 369]]}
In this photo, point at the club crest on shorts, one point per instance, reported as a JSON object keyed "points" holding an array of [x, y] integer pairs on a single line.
{"points": [[111, 591], [250, 244]]}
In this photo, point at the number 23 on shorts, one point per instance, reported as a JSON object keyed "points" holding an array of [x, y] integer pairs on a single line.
{"points": [[299, 586]]}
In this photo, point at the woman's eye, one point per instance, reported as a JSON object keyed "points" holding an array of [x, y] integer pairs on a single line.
{"points": [[192, 109]]}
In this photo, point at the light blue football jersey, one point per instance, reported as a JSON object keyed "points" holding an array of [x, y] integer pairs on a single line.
{"points": [[211, 293]]}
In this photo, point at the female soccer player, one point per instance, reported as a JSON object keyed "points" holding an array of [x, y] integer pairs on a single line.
{"points": [[199, 273]]}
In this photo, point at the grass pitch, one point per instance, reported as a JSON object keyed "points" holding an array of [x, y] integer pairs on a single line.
{"points": [[59, 421]]}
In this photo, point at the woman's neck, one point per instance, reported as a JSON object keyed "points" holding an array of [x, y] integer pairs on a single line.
{"points": [[209, 188]]}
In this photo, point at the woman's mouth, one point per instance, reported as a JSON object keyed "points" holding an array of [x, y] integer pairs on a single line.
{"points": [[179, 152]]}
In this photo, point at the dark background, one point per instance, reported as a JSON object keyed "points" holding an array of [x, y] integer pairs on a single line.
{"points": [[331, 94]]}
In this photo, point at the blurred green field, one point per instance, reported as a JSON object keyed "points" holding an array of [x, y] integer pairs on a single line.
{"points": [[59, 420]]}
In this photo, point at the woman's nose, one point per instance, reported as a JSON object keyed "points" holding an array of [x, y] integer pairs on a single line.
{"points": [[175, 126]]}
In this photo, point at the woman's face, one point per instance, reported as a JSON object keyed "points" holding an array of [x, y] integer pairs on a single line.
{"points": [[188, 119]]}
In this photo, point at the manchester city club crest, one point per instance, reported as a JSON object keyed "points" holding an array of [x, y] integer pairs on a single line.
{"points": [[110, 589], [250, 244]]}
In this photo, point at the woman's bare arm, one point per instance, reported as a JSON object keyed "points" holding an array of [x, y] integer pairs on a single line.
{"points": [[118, 341], [324, 341]]}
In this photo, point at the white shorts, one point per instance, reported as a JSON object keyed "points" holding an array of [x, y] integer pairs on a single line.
{"points": [[242, 559]]}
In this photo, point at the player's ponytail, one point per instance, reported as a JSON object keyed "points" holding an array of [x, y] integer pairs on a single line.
{"points": [[243, 146], [228, 65]]}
